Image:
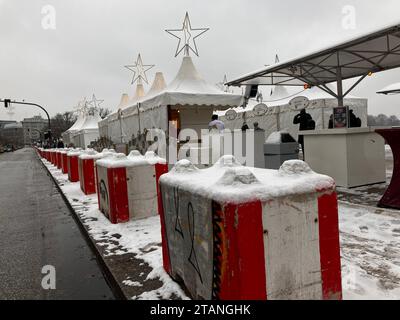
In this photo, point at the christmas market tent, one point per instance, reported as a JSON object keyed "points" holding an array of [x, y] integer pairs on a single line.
{"points": [[133, 122], [188, 101], [67, 135], [103, 124], [277, 114], [89, 131]]}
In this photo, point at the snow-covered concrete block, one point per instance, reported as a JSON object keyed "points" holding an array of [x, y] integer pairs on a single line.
{"points": [[234, 232], [86, 169], [72, 160], [128, 185]]}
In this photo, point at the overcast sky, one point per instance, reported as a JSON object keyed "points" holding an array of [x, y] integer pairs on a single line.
{"points": [[94, 39]]}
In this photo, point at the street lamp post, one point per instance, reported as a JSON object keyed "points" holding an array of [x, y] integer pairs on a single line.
{"points": [[7, 103]]}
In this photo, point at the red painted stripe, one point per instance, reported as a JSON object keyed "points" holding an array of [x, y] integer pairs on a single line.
{"points": [[89, 184], [243, 263], [329, 247], [118, 195], [73, 173], [64, 163], [161, 169], [98, 188]]}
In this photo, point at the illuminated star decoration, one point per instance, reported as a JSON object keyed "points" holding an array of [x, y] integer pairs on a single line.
{"points": [[139, 70], [80, 108], [222, 85], [187, 37], [95, 103]]}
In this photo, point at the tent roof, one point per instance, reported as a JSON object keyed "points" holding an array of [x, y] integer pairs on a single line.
{"points": [[374, 52], [91, 121], [157, 86], [281, 96], [189, 88], [78, 123], [393, 88]]}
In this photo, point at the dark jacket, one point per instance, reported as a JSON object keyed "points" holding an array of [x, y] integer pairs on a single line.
{"points": [[60, 144], [304, 120]]}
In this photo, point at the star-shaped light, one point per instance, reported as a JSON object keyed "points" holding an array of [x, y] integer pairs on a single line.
{"points": [[80, 108], [139, 70], [187, 37], [95, 103], [222, 85]]}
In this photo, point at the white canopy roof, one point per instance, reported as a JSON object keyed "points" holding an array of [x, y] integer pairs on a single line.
{"points": [[393, 88], [91, 121], [158, 85], [189, 88], [124, 101], [78, 123]]}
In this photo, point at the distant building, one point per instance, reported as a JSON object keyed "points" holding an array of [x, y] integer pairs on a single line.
{"points": [[4, 122], [13, 134], [34, 129]]}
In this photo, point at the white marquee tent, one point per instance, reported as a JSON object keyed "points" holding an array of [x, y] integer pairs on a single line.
{"points": [[67, 135], [188, 100], [89, 131]]}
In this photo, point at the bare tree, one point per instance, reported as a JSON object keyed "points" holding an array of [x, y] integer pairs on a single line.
{"points": [[104, 112]]}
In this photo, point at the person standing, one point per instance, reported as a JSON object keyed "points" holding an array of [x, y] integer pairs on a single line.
{"points": [[305, 120], [216, 123], [256, 127], [60, 144]]}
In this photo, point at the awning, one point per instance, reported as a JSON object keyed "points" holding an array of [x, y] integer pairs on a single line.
{"points": [[391, 89], [374, 52]]}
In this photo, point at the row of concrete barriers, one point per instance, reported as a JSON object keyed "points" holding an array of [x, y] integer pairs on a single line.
{"points": [[228, 232]]}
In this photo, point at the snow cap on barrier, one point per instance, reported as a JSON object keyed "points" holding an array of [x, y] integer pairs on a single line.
{"points": [[228, 181], [235, 233], [119, 160]]}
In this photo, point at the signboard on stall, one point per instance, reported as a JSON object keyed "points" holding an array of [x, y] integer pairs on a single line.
{"points": [[298, 103], [340, 117]]}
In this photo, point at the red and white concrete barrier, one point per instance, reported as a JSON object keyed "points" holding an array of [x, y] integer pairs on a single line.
{"points": [[87, 172], [128, 185], [64, 160], [234, 232], [72, 161], [58, 158]]}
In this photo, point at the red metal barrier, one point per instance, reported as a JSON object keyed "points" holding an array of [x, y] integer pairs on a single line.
{"points": [[391, 198]]}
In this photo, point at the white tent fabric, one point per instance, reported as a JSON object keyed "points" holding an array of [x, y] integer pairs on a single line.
{"points": [[189, 88], [103, 124], [279, 114], [89, 131], [67, 135], [393, 88]]}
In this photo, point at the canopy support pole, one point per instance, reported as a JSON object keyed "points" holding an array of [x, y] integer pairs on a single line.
{"points": [[340, 95]]}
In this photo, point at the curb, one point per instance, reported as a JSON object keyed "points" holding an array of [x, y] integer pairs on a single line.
{"points": [[108, 275]]}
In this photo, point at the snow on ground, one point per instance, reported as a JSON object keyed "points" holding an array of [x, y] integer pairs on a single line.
{"points": [[141, 237], [370, 245], [370, 250]]}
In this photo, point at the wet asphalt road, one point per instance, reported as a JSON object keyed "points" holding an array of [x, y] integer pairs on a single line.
{"points": [[37, 229]]}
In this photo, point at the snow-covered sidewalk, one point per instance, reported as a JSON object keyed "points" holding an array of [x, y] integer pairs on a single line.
{"points": [[142, 238], [370, 246], [370, 250]]}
